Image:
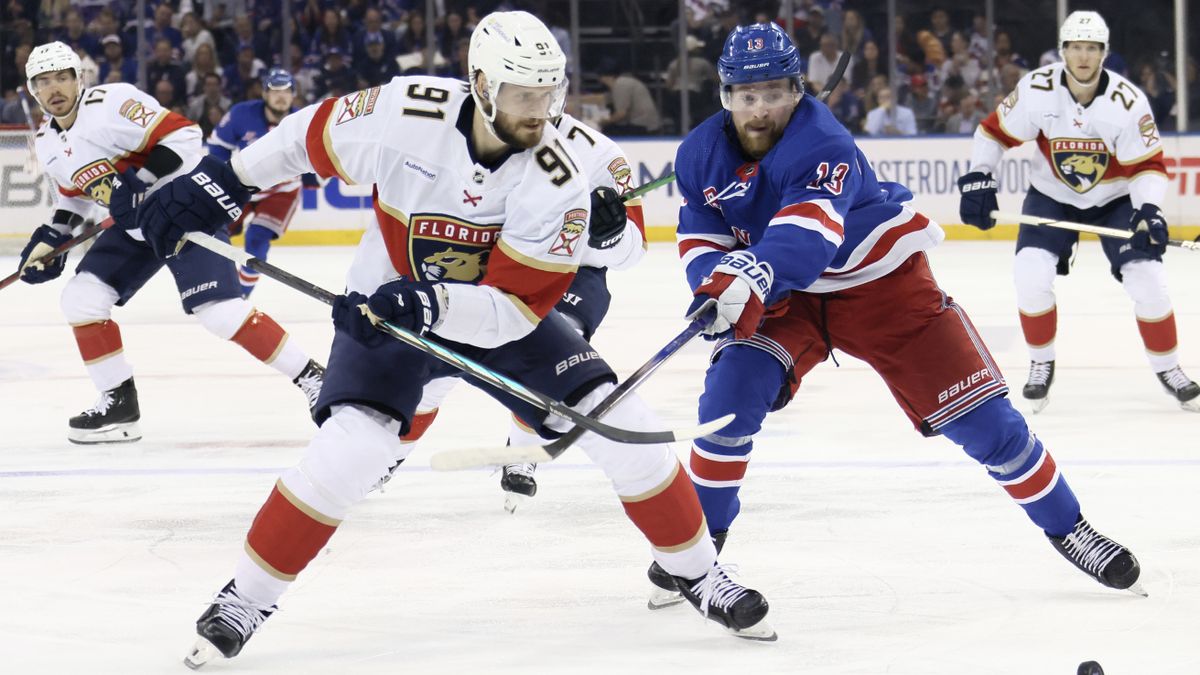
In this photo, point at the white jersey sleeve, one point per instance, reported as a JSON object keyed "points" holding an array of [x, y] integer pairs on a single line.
{"points": [[605, 165], [134, 123], [1138, 146], [1011, 123]]}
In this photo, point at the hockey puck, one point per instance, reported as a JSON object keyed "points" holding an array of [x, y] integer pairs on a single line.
{"points": [[1089, 668]]}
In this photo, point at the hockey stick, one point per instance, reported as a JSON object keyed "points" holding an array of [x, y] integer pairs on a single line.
{"points": [[469, 366], [87, 233], [834, 79], [1080, 227], [466, 458]]}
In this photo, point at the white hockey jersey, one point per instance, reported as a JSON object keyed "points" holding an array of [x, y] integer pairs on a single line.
{"points": [[1089, 155], [511, 234], [606, 166], [116, 128]]}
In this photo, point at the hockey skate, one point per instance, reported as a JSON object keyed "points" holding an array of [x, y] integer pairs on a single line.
{"points": [[113, 418], [518, 484], [309, 381], [225, 627], [742, 611], [1181, 387], [665, 592], [1037, 389], [1099, 557]]}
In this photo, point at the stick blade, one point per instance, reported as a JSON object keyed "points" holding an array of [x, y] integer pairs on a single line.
{"points": [[705, 429]]}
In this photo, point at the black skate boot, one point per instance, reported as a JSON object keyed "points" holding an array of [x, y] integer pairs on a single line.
{"points": [[225, 627], [1181, 387], [741, 610], [113, 418], [1037, 389], [665, 592], [310, 380], [518, 484], [1099, 557]]}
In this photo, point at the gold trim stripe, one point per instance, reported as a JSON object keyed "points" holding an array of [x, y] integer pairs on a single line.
{"points": [[104, 358], [534, 262], [678, 548], [523, 308], [305, 508], [328, 142], [654, 491], [266, 566]]}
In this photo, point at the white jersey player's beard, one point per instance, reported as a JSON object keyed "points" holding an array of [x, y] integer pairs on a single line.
{"points": [[1080, 83]]}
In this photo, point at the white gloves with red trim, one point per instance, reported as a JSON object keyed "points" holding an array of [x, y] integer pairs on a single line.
{"points": [[736, 289]]}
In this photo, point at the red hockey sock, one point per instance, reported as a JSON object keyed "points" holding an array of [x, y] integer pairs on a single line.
{"points": [[98, 341], [260, 336], [669, 515], [287, 534], [1041, 328], [419, 425], [1159, 335]]}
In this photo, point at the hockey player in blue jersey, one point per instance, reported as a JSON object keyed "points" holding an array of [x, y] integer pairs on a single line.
{"points": [[269, 212], [787, 235]]}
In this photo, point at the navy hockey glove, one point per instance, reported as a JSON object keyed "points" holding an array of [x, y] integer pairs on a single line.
{"points": [[205, 200], [127, 193], [309, 181], [978, 199], [412, 305], [736, 288], [607, 225], [44, 240], [1149, 230]]}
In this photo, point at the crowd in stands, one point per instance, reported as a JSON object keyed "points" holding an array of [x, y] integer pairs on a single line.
{"points": [[204, 55]]}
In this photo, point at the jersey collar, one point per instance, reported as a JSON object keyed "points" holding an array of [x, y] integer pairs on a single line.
{"points": [[1101, 86], [466, 116]]}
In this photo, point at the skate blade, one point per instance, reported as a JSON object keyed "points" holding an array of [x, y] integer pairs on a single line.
{"points": [[661, 598], [125, 432], [1138, 589], [759, 632], [1191, 406], [1039, 404], [202, 652], [512, 500]]}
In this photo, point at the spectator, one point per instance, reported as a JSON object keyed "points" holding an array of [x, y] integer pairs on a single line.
{"points": [[332, 34], [1193, 89], [13, 78], [1159, 94], [74, 34], [855, 35], [934, 54], [703, 83], [104, 24], [939, 21], [967, 117], [337, 78], [162, 27], [163, 66], [194, 34], [455, 30], [88, 70], [961, 62], [909, 57], [412, 41], [204, 63], [822, 63], [372, 30], [808, 39], [864, 68], [978, 40], [242, 72], [460, 62], [923, 104], [164, 93], [633, 110], [375, 68], [244, 34], [1005, 54], [1010, 75], [847, 107], [115, 67], [307, 73], [889, 119], [211, 98]]}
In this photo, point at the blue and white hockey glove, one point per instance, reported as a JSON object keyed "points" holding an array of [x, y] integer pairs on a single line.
{"points": [[736, 288], [978, 199], [608, 217], [412, 305], [1150, 232], [44, 240], [205, 200], [127, 193]]}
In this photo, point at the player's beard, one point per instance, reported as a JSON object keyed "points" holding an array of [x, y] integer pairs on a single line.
{"points": [[513, 132], [759, 143]]}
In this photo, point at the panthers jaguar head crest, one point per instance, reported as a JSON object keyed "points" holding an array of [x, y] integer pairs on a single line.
{"points": [[451, 265]]}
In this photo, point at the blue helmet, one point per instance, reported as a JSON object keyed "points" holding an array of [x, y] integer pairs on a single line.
{"points": [[277, 78], [757, 53]]}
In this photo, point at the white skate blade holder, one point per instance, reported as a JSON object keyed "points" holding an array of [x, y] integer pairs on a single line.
{"points": [[202, 652], [124, 432], [512, 500], [661, 598]]}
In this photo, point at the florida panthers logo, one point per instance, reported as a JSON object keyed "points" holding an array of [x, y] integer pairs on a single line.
{"points": [[96, 181], [451, 265], [444, 248], [1080, 163]]}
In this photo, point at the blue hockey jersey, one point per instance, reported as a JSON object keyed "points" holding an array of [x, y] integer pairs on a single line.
{"points": [[811, 207], [245, 123]]}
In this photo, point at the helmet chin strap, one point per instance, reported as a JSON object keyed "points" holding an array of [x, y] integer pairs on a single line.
{"points": [[70, 112], [1076, 80], [489, 118]]}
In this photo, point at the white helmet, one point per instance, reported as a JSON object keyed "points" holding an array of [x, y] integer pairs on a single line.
{"points": [[515, 48], [49, 58], [1083, 26]]}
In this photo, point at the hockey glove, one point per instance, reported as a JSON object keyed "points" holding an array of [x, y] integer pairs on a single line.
{"points": [[736, 288], [127, 193], [978, 199], [1149, 230], [44, 240], [412, 305], [607, 225], [205, 200]]}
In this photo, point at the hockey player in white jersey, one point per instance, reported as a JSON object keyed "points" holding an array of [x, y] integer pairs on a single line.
{"points": [[616, 240], [1100, 161], [482, 212], [110, 145]]}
